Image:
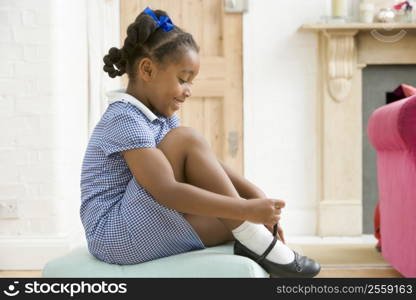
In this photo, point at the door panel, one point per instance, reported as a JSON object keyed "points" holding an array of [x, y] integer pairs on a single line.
{"points": [[216, 106]]}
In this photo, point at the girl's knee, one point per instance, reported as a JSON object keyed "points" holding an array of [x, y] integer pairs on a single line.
{"points": [[186, 136]]}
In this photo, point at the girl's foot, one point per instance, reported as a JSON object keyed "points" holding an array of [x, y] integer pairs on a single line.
{"points": [[256, 242], [301, 267]]}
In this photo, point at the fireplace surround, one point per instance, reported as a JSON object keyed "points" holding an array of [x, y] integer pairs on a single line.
{"points": [[344, 51]]}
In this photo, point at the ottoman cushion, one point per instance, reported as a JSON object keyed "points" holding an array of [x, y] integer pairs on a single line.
{"points": [[218, 261]]}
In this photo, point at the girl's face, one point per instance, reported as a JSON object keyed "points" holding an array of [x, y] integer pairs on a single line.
{"points": [[172, 84]]}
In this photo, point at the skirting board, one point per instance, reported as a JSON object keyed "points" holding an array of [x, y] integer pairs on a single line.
{"points": [[31, 253], [340, 218]]}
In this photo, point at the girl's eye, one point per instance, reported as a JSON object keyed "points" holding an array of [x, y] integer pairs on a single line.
{"points": [[181, 81]]}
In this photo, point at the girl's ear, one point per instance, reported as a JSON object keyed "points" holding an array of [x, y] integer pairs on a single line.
{"points": [[147, 69]]}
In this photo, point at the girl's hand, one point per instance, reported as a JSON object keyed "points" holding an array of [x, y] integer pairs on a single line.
{"points": [[263, 210], [280, 235]]}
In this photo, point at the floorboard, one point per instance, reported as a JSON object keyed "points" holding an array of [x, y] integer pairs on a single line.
{"points": [[325, 273]]}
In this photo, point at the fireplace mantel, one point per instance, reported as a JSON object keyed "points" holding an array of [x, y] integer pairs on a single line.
{"points": [[358, 26], [344, 50]]}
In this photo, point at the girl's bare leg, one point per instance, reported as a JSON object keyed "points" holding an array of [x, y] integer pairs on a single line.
{"points": [[193, 162]]}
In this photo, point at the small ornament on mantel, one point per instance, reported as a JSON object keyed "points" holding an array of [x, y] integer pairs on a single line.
{"points": [[339, 9], [403, 12], [385, 15], [366, 11]]}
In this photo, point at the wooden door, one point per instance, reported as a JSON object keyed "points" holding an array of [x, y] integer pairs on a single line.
{"points": [[216, 106]]}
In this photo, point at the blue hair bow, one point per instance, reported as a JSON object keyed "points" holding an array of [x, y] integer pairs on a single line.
{"points": [[164, 21]]}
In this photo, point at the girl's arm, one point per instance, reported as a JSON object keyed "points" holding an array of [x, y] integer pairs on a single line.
{"points": [[153, 171], [245, 188], [248, 190]]}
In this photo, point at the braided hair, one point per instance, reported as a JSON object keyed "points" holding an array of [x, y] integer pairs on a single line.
{"points": [[145, 39]]}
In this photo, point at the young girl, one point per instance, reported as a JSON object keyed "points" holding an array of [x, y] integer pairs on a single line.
{"points": [[151, 188]]}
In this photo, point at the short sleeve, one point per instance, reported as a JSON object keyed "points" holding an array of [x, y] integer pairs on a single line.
{"points": [[174, 121], [125, 131]]}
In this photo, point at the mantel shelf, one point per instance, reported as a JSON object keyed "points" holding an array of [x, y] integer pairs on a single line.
{"points": [[358, 26]]}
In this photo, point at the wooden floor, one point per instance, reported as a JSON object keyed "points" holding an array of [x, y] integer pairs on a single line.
{"points": [[325, 273], [359, 273], [14, 274]]}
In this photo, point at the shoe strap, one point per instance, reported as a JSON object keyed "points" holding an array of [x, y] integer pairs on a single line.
{"points": [[263, 256], [274, 229]]}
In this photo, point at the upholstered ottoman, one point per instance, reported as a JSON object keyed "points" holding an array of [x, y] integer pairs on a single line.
{"points": [[218, 261]]}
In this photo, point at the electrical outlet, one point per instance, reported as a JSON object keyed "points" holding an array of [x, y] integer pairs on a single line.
{"points": [[8, 209]]}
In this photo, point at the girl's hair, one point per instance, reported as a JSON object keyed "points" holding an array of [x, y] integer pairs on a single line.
{"points": [[144, 39]]}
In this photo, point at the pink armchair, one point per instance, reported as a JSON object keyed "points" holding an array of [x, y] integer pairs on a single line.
{"points": [[392, 132]]}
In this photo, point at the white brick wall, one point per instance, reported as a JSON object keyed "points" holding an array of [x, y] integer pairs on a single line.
{"points": [[25, 116], [43, 117]]}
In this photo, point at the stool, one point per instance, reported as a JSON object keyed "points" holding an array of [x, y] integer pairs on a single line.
{"points": [[218, 262]]}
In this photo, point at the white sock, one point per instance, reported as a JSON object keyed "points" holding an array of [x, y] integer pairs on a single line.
{"points": [[257, 238]]}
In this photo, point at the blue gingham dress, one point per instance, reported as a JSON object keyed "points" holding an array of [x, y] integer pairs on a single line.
{"points": [[123, 223]]}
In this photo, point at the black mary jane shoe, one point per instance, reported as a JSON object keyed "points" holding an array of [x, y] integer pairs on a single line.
{"points": [[301, 267]]}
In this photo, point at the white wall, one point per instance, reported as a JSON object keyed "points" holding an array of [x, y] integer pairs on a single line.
{"points": [[43, 126], [280, 71]]}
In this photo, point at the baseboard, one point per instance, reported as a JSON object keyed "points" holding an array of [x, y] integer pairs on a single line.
{"points": [[31, 253], [340, 218]]}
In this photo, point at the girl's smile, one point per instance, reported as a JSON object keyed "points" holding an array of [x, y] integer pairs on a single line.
{"points": [[164, 89], [178, 103]]}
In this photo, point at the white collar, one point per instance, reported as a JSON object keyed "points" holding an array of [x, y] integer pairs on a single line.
{"points": [[121, 95]]}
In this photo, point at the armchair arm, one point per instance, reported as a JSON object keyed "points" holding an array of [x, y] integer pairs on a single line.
{"points": [[393, 126]]}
